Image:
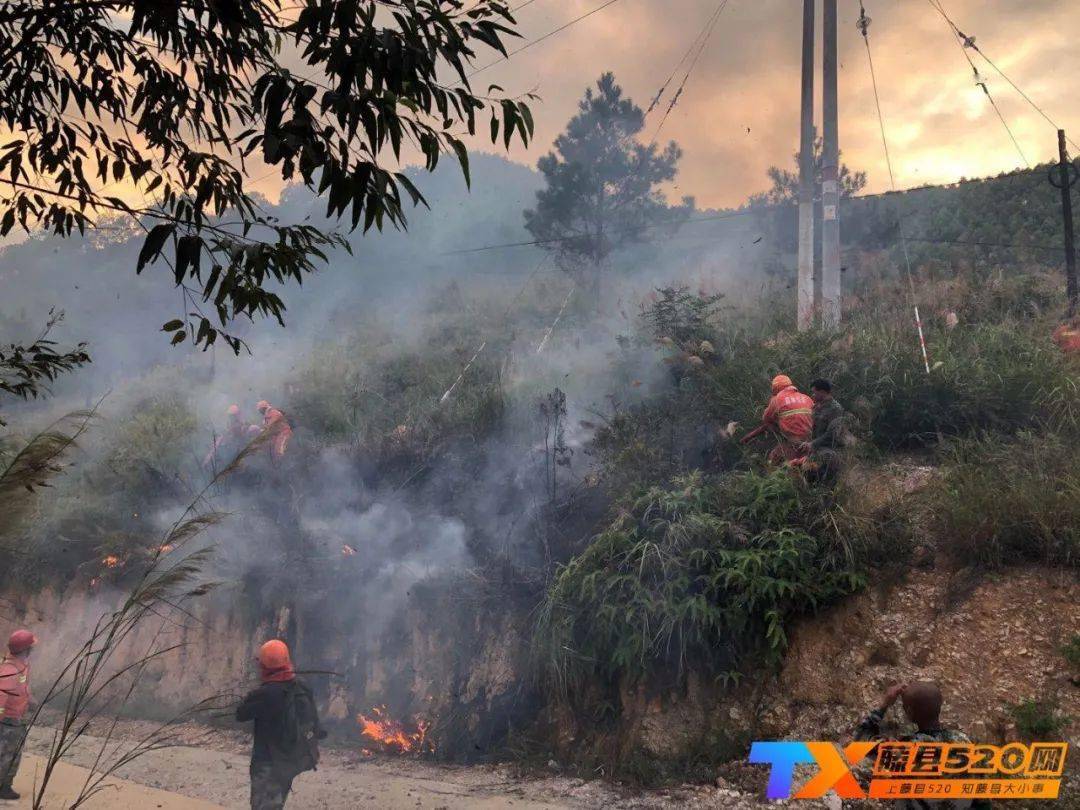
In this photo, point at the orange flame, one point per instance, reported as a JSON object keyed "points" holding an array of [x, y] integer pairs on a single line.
{"points": [[347, 550], [165, 549], [392, 735], [111, 561]]}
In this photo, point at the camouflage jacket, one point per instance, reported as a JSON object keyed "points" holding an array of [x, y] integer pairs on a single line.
{"points": [[829, 426], [870, 729]]}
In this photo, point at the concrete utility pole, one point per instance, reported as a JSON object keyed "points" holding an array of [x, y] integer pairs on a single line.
{"points": [[806, 174], [830, 182], [1066, 178]]}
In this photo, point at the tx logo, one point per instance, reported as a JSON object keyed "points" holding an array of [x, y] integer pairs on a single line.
{"points": [[834, 771]]}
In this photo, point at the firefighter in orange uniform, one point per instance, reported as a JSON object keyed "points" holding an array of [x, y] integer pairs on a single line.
{"points": [[14, 701], [237, 434], [275, 424], [1067, 336], [789, 415]]}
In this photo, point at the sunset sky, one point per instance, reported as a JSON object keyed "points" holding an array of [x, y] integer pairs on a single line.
{"points": [[940, 124], [739, 112]]}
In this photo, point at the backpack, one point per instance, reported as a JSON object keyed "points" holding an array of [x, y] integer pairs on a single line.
{"points": [[300, 729]]}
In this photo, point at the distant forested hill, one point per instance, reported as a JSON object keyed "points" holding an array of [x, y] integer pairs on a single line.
{"points": [[118, 313]]}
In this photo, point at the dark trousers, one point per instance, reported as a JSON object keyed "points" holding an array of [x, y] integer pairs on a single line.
{"points": [[269, 787], [11, 746]]}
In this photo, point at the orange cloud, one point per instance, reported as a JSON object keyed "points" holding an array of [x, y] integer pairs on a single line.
{"points": [[940, 124]]}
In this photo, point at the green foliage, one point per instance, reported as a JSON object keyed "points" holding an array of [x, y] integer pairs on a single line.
{"points": [[1012, 221], [1018, 208], [785, 184], [680, 316], [999, 373], [1071, 650], [138, 460], [603, 184], [386, 398], [27, 466], [174, 99], [154, 434], [26, 371], [1001, 501], [699, 573], [984, 377], [1039, 719]]}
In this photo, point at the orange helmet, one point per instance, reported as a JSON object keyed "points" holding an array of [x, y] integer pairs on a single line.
{"points": [[780, 382], [21, 641], [234, 410], [274, 655], [262, 405]]}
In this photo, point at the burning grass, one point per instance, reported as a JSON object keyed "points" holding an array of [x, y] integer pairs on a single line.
{"points": [[384, 734]]}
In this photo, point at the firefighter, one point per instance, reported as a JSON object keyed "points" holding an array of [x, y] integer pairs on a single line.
{"points": [[1067, 336], [286, 731], [789, 414], [14, 701], [821, 455], [277, 426], [237, 433], [922, 707]]}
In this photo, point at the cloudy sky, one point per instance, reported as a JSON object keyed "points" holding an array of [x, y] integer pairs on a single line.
{"points": [[739, 112], [940, 124]]}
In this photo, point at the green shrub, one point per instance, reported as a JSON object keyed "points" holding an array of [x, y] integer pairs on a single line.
{"points": [[697, 573], [1001, 501], [1001, 374], [154, 436], [385, 397], [680, 316], [1039, 719], [135, 462], [984, 377], [1071, 650]]}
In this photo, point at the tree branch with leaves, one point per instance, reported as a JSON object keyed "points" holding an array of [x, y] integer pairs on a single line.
{"points": [[175, 97], [27, 370]]}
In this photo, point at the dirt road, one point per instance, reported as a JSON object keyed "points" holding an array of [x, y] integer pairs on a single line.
{"points": [[118, 794], [200, 778], [209, 769]]}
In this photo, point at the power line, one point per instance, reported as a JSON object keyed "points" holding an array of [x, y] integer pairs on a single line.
{"points": [[977, 243], [650, 226], [969, 42], [548, 35], [699, 43], [693, 63], [937, 5], [864, 27], [718, 217], [685, 56]]}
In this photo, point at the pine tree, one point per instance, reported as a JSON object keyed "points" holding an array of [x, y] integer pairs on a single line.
{"points": [[603, 186]]}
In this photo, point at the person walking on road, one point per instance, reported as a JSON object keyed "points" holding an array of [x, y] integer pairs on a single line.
{"points": [[15, 699], [287, 728]]}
